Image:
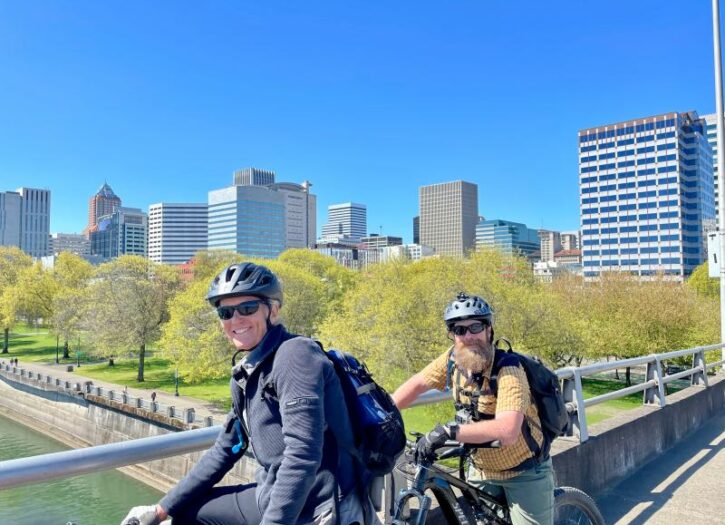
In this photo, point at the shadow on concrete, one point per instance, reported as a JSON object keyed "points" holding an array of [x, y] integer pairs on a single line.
{"points": [[640, 487]]}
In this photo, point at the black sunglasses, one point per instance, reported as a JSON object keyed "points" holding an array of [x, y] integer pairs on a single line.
{"points": [[474, 328], [245, 308]]}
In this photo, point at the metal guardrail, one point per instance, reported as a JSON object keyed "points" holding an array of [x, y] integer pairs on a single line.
{"points": [[187, 415], [62, 464]]}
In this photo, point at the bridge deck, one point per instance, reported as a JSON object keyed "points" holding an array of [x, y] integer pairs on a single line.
{"points": [[683, 485]]}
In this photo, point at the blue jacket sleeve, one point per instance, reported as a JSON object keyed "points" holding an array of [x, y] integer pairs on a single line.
{"points": [[210, 469], [300, 385]]}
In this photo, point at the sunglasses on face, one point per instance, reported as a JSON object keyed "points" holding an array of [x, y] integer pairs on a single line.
{"points": [[474, 328], [245, 308]]}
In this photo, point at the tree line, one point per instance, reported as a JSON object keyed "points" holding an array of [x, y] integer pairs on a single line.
{"points": [[389, 314]]}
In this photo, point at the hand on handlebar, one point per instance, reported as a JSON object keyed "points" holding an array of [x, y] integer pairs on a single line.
{"points": [[426, 446]]}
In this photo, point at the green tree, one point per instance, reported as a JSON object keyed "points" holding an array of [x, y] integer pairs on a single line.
{"points": [[128, 303], [703, 284], [36, 289], [12, 261], [71, 274]]}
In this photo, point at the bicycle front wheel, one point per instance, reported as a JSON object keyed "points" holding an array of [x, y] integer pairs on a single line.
{"points": [[574, 507]]}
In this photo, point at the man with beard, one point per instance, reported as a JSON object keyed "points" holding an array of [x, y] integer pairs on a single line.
{"points": [[505, 413]]}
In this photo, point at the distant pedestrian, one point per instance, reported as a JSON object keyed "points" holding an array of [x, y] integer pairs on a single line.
{"points": [[153, 397]]}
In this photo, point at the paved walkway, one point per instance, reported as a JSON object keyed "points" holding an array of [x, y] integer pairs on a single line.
{"points": [[683, 485], [201, 407]]}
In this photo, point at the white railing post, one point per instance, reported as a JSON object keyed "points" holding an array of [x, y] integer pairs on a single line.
{"points": [[698, 361]]}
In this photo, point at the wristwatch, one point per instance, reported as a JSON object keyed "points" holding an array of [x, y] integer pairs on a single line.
{"points": [[453, 431]]}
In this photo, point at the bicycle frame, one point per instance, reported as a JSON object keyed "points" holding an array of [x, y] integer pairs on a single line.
{"points": [[441, 483]]}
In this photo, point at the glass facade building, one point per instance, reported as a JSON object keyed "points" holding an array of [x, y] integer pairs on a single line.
{"points": [[646, 196], [248, 220], [509, 237]]}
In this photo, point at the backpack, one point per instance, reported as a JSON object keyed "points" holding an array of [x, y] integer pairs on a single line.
{"points": [[376, 422], [545, 391]]}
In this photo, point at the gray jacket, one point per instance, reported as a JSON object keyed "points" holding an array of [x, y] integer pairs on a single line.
{"points": [[289, 395]]}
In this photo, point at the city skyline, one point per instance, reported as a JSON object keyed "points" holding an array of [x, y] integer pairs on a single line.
{"points": [[409, 95]]}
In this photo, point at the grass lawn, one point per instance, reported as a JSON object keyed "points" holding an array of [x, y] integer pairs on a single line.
{"points": [[38, 345]]}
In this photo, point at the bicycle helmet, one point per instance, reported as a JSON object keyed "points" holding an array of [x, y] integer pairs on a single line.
{"points": [[245, 279], [467, 307]]}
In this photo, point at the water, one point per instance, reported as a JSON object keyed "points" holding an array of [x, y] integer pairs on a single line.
{"points": [[101, 498]]}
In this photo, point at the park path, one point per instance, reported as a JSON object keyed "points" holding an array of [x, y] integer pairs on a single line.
{"points": [[202, 408]]}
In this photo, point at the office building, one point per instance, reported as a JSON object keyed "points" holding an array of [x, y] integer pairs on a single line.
{"points": [[69, 242], [123, 232], [376, 242], [346, 223], [10, 211], [711, 132], [569, 241], [103, 203], [508, 237], [550, 244], [448, 215], [416, 229], [300, 213], [176, 231], [646, 195], [249, 220], [253, 177], [412, 252]]}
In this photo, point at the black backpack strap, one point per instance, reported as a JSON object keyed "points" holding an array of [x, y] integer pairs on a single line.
{"points": [[501, 359]]}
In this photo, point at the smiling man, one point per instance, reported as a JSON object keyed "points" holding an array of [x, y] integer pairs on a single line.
{"points": [[505, 413], [288, 404]]}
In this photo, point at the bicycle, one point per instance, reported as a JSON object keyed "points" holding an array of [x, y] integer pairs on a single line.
{"points": [[472, 506]]}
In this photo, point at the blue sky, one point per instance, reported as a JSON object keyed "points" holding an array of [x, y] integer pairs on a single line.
{"points": [[366, 99]]}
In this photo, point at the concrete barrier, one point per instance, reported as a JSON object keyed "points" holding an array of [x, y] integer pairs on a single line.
{"points": [[618, 446]]}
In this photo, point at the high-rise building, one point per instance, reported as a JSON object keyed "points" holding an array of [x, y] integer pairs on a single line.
{"points": [[509, 237], [248, 220], [448, 217], [34, 221], [103, 203], [711, 131], [550, 244], [25, 220], [300, 213], [123, 232], [569, 241], [346, 222], [647, 195], [416, 229], [176, 231], [69, 242], [253, 177], [10, 210]]}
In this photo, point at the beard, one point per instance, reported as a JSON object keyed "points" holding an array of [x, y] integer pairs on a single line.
{"points": [[475, 357]]}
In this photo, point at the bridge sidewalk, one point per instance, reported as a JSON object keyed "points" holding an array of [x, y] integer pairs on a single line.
{"points": [[683, 485], [201, 407]]}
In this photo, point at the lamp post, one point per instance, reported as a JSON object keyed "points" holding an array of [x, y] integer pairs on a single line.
{"points": [[57, 343], [176, 381], [78, 352], [720, 159]]}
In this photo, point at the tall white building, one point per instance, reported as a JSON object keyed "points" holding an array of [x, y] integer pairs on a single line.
{"points": [[346, 222], [176, 231], [300, 213], [646, 195], [448, 217], [569, 240]]}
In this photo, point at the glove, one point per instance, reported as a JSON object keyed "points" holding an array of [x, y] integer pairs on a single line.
{"points": [[143, 515], [427, 445]]}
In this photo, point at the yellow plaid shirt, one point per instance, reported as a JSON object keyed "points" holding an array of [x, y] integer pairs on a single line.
{"points": [[513, 394]]}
